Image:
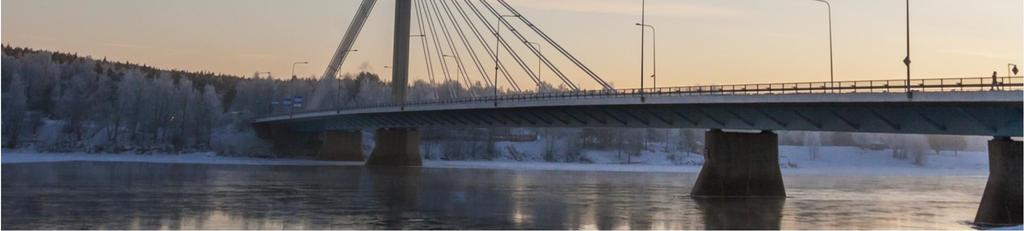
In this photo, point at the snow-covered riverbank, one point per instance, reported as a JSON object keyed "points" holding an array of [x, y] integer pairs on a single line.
{"points": [[20, 156], [793, 160]]}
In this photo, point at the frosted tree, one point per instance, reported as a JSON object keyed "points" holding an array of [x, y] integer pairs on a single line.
{"points": [[129, 102], [421, 90], [946, 143], [14, 107], [324, 94], [690, 141], [212, 112], [812, 140]]}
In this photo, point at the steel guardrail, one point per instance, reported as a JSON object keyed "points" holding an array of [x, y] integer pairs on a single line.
{"points": [[968, 84]]}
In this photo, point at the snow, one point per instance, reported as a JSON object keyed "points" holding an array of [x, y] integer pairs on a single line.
{"points": [[855, 161], [22, 156], [508, 165], [794, 160]]}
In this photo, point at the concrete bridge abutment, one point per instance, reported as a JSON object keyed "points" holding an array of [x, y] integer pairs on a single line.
{"points": [[341, 146], [740, 165], [1003, 201], [396, 147]]}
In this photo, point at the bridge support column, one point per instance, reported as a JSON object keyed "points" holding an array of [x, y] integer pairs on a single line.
{"points": [[287, 142], [1003, 199], [396, 147], [341, 146], [740, 165]]}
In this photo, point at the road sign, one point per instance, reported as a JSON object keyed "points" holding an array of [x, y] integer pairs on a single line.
{"points": [[298, 101]]}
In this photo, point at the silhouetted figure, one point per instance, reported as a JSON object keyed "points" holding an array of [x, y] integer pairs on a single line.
{"points": [[995, 82]]}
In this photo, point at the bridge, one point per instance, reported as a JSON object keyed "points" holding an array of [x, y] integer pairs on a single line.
{"points": [[741, 146]]}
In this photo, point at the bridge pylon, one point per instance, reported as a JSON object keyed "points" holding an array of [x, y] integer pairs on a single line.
{"points": [[400, 59], [1003, 201], [398, 146], [740, 165]]}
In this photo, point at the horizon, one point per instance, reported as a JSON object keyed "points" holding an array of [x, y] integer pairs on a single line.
{"points": [[735, 42]]}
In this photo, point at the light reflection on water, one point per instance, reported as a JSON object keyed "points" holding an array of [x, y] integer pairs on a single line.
{"points": [[95, 195]]}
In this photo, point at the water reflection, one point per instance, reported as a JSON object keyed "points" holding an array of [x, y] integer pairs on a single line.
{"points": [[92, 195], [741, 213]]}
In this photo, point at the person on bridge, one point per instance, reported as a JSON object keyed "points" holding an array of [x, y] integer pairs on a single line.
{"points": [[995, 81]]}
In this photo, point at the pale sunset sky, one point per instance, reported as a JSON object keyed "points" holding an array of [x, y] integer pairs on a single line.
{"points": [[699, 41]]}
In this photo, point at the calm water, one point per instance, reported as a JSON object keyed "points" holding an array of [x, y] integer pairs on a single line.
{"points": [[95, 195]]}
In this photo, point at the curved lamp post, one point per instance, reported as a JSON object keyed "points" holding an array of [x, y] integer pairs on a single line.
{"points": [[831, 63], [654, 53], [293, 67]]}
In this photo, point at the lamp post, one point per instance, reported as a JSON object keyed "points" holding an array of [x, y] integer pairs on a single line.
{"points": [[293, 67], [831, 63], [497, 51], [538, 58], [643, 33], [907, 59], [459, 66], [654, 53]]}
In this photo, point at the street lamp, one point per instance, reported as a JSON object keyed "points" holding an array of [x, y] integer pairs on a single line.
{"points": [[538, 58], [497, 51], [643, 33], [831, 66], [293, 67], [338, 97], [907, 59], [654, 44], [459, 62]]}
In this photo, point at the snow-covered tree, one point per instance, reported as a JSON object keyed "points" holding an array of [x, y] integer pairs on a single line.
{"points": [[812, 140], [14, 107]]}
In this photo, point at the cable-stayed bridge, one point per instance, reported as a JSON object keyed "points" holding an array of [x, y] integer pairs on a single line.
{"points": [[463, 40]]}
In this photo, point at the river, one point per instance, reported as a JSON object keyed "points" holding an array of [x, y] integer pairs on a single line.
{"points": [[109, 195]]}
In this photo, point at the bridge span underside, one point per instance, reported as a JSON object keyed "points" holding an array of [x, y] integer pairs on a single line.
{"points": [[965, 113], [738, 164]]}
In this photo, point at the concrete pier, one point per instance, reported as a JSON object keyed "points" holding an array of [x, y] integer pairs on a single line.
{"points": [[1003, 201], [341, 146], [288, 143], [740, 165], [396, 147]]}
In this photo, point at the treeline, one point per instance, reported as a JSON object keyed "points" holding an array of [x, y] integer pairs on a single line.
{"points": [[63, 102], [56, 101]]}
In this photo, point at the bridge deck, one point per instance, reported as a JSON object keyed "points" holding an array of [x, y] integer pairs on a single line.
{"points": [[996, 113]]}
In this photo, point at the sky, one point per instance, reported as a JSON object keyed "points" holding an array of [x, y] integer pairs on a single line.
{"points": [[698, 42]]}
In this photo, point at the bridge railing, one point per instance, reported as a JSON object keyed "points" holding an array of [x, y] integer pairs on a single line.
{"points": [[970, 84]]}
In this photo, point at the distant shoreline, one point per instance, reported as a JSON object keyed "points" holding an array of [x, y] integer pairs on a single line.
{"points": [[823, 169]]}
